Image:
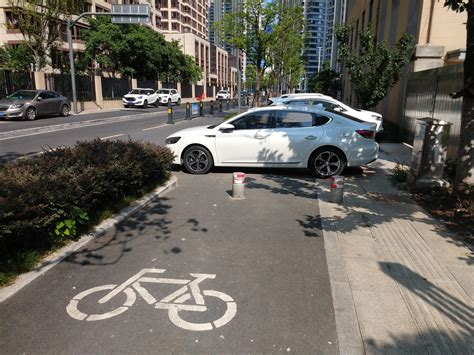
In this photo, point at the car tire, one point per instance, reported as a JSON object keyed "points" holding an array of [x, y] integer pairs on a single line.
{"points": [[178, 102], [327, 162], [126, 106], [197, 160], [145, 104], [30, 114], [64, 111]]}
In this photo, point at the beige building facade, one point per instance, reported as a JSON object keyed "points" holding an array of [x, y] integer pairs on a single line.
{"points": [[440, 37], [185, 21]]}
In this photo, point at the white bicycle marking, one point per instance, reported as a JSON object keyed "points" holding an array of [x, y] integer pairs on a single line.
{"points": [[175, 302]]}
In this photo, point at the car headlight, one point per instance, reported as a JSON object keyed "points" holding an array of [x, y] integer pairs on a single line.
{"points": [[377, 117], [172, 140], [17, 106]]}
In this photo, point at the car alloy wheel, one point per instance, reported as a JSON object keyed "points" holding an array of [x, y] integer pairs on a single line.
{"points": [[197, 160], [327, 162], [64, 110], [178, 102], [30, 114]]}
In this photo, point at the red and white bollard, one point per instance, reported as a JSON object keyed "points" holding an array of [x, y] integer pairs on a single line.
{"points": [[337, 189], [238, 186]]}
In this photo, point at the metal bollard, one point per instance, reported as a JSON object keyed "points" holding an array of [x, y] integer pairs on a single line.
{"points": [[211, 110], [227, 105], [188, 111], [201, 109], [170, 113], [238, 185], [337, 189], [220, 105]]}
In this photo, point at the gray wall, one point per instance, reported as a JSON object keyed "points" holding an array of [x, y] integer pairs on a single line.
{"points": [[427, 95]]}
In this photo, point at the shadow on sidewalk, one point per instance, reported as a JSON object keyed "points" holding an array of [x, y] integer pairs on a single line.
{"points": [[458, 338]]}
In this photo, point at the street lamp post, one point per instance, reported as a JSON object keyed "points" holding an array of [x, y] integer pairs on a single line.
{"points": [[319, 58]]}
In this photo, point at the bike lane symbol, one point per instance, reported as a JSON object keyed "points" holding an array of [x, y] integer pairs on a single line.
{"points": [[174, 302]]}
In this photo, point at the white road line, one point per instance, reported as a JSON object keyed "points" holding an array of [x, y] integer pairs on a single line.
{"points": [[149, 128], [115, 136]]}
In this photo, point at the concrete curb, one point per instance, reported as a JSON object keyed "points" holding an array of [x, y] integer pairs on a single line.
{"points": [[347, 326], [58, 256]]}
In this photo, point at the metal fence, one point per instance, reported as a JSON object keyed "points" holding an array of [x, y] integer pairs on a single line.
{"points": [[113, 89], [427, 95], [210, 91], [61, 83], [11, 81], [198, 90], [186, 91], [147, 84], [169, 85]]}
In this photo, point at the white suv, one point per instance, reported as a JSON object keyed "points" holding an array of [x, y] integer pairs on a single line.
{"points": [[140, 97], [168, 95], [327, 102], [223, 95]]}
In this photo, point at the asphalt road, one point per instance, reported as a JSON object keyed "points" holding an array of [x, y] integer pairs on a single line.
{"points": [[266, 253], [149, 127]]}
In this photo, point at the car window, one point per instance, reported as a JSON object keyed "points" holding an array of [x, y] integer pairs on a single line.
{"points": [[293, 119], [163, 91], [298, 102], [53, 95], [324, 104], [150, 92], [174, 92], [43, 95], [20, 95], [320, 120], [254, 120]]}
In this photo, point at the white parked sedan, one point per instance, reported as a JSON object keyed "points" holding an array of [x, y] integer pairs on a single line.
{"points": [[278, 136], [140, 97], [324, 101]]}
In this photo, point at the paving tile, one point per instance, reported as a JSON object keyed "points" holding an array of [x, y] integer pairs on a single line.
{"points": [[369, 276]]}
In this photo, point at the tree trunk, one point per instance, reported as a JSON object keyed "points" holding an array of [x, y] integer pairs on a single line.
{"points": [[465, 168], [256, 98]]}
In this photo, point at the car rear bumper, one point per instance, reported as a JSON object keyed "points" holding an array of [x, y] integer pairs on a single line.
{"points": [[363, 155]]}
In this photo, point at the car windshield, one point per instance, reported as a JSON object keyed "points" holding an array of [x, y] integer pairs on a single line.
{"points": [[166, 92], [22, 95], [137, 92], [223, 92]]}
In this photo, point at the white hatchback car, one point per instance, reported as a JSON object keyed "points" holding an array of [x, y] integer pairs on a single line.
{"points": [[168, 95], [278, 136], [324, 101], [140, 97]]}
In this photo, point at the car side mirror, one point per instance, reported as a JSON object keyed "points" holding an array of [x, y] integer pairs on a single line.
{"points": [[338, 109], [226, 127], [39, 98]]}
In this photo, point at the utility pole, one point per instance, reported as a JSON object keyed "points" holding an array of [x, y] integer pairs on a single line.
{"points": [[121, 14]]}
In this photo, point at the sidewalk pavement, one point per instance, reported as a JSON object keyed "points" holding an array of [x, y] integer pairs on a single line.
{"points": [[401, 282]]}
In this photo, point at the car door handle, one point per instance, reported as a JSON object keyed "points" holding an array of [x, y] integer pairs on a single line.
{"points": [[310, 138], [260, 136]]}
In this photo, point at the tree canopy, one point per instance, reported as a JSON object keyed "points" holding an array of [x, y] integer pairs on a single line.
{"points": [[139, 51], [373, 68], [17, 58], [327, 81], [39, 22], [270, 34]]}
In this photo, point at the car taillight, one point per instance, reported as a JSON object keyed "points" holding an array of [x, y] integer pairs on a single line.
{"points": [[366, 133]]}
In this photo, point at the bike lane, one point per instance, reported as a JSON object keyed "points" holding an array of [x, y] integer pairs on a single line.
{"points": [[259, 264]]}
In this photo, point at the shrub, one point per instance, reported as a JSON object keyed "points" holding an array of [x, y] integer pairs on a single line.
{"points": [[59, 194], [400, 173]]}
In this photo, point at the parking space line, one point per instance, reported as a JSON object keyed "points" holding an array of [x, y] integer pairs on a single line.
{"points": [[115, 136]]}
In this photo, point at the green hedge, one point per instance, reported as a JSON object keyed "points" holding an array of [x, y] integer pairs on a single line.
{"points": [[59, 194]]}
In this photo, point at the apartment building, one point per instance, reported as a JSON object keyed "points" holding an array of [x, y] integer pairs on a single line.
{"points": [[440, 37]]}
